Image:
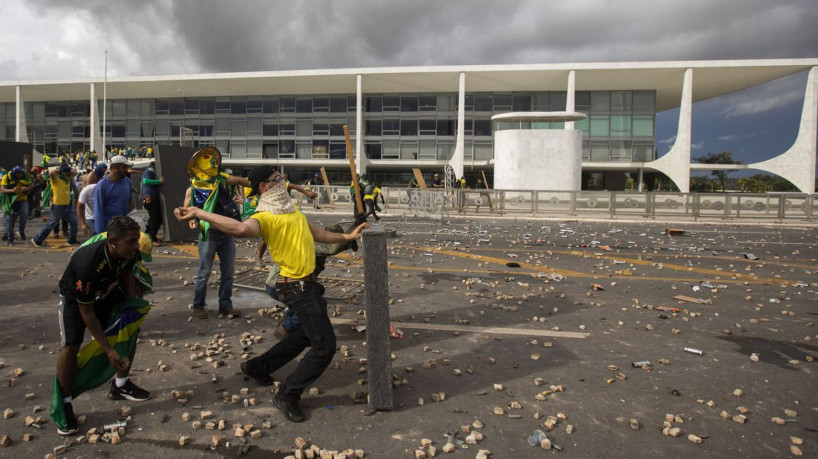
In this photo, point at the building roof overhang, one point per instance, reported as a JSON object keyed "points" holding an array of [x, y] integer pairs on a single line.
{"points": [[710, 79]]}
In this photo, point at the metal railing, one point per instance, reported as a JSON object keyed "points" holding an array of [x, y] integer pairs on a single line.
{"points": [[600, 204]]}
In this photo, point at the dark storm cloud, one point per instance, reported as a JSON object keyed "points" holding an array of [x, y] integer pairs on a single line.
{"points": [[187, 36]]}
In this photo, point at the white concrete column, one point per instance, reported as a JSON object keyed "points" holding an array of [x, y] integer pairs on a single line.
{"points": [[798, 163], [570, 98], [459, 147], [676, 163], [96, 133], [360, 156], [20, 132]]}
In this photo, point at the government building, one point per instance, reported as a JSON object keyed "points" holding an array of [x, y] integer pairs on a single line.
{"points": [[401, 118]]}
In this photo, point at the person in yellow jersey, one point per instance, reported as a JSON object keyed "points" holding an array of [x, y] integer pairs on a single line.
{"points": [[291, 239], [371, 193], [62, 184], [15, 187]]}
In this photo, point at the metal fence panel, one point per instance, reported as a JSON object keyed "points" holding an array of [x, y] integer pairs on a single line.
{"points": [[440, 202]]}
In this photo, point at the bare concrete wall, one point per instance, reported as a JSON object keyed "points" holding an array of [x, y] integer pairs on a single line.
{"points": [[538, 159]]}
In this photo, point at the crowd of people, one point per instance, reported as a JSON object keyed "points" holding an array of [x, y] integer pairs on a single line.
{"points": [[107, 277]]}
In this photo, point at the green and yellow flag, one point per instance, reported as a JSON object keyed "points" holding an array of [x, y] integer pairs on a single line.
{"points": [[93, 367]]}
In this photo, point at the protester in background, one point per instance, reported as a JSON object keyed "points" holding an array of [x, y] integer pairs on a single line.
{"points": [[150, 199], [36, 193], [60, 186], [371, 193], [437, 182], [15, 187], [112, 195], [100, 170], [85, 205]]}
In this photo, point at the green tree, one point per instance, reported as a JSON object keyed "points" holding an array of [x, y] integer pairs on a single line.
{"points": [[725, 157], [702, 184]]}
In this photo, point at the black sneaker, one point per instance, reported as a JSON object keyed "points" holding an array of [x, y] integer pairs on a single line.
{"points": [[74, 243], [70, 421], [22, 236], [37, 244], [263, 379], [289, 407], [129, 391]]}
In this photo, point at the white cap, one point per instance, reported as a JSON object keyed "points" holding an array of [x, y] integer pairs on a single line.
{"points": [[119, 159]]}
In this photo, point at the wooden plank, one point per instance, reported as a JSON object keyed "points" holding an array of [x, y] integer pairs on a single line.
{"points": [[326, 184], [419, 178]]}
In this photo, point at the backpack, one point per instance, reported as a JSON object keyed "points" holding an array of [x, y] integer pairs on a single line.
{"points": [[369, 189]]}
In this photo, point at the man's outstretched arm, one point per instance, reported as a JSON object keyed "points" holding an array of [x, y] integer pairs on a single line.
{"points": [[227, 225], [328, 237]]}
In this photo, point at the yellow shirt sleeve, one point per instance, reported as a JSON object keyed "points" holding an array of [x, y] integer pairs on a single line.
{"points": [[290, 242]]}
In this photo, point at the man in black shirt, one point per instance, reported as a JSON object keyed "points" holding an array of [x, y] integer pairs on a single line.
{"points": [[437, 182], [98, 276]]}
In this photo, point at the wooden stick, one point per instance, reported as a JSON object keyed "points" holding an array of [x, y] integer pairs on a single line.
{"points": [[486, 184], [419, 178], [351, 156], [326, 184]]}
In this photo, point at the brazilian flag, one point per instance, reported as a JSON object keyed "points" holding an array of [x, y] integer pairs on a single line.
{"points": [[205, 194], [46, 194], [6, 200], [93, 367]]}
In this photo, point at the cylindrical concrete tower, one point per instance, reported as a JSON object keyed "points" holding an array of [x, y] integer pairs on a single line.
{"points": [[537, 159]]}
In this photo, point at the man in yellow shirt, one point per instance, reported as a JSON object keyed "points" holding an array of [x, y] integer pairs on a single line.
{"points": [[62, 184], [15, 186], [371, 193], [291, 239]]}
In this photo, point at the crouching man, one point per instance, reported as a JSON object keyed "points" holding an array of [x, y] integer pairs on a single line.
{"points": [[99, 291], [291, 239]]}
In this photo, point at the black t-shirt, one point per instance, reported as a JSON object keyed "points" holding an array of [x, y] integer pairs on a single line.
{"points": [[91, 273]]}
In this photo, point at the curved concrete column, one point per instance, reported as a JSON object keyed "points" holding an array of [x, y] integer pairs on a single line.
{"points": [[798, 163], [676, 163], [458, 160]]}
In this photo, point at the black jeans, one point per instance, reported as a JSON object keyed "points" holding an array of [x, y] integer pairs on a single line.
{"points": [[316, 333], [154, 209]]}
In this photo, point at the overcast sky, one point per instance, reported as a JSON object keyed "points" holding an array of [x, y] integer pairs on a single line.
{"points": [[57, 39]]}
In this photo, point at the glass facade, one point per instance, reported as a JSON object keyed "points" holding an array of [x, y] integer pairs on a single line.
{"points": [[407, 126]]}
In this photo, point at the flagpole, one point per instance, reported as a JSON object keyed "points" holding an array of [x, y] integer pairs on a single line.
{"points": [[104, 105]]}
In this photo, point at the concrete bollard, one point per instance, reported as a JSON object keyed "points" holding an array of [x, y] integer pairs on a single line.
{"points": [[376, 297]]}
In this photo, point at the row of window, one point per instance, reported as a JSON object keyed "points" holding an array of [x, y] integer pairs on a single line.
{"points": [[594, 126], [397, 149], [593, 101]]}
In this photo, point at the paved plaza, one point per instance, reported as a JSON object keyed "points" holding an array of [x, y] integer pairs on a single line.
{"points": [[510, 325]]}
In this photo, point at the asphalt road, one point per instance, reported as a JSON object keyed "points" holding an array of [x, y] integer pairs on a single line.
{"points": [[480, 336]]}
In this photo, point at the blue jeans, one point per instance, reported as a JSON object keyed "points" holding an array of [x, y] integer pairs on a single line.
{"points": [[19, 209], [58, 213], [316, 333], [221, 244], [90, 223], [290, 321]]}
